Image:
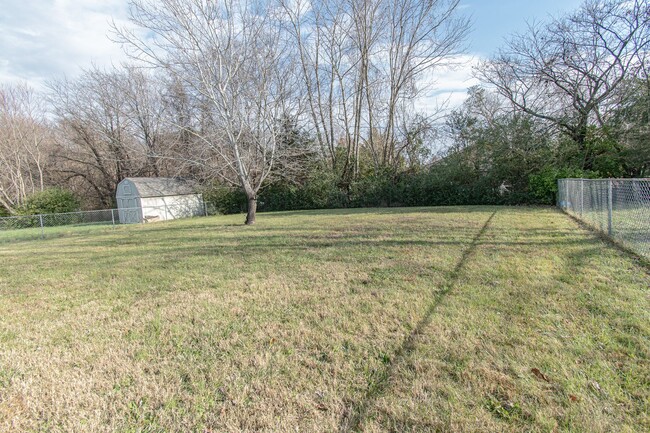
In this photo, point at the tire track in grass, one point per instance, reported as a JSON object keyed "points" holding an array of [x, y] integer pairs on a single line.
{"points": [[356, 412]]}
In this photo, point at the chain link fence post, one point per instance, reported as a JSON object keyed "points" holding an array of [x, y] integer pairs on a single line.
{"points": [[610, 209], [106, 217], [582, 197]]}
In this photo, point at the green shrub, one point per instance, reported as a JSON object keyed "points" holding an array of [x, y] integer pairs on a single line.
{"points": [[51, 200], [225, 200], [543, 185], [321, 191], [443, 184]]}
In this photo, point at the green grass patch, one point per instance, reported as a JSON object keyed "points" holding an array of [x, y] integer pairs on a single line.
{"points": [[423, 319]]}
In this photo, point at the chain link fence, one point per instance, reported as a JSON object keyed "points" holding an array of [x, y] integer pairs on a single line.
{"points": [[619, 208], [32, 226]]}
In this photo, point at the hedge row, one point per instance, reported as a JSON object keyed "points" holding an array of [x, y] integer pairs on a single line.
{"points": [[420, 188]]}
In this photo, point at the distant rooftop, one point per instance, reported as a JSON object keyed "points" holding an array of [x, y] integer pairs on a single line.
{"points": [[163, 186]]}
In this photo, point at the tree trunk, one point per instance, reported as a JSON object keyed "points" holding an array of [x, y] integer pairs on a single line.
{"points": [[252, 209], [579, 136]]}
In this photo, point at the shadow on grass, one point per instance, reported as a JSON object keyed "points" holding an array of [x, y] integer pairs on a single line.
{"points": [[192, 225], [381, 210], [172, 251], [176, 245], [618, 244], [356, 411], [181, 226], [72, 231]]}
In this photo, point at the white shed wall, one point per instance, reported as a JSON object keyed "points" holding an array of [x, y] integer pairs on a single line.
{"points": [[132, 208], [171, 207]]}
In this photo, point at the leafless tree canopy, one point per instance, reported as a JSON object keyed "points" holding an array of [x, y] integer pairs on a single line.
{"points": [[112, 124], [230, 58], [219, 83], [254, 93], [349, 70], [566, 72], [23, 145], [362, 65]]}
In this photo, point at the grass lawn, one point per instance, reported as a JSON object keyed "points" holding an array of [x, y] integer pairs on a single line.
{"points": [[462, 319], [34, 233]]}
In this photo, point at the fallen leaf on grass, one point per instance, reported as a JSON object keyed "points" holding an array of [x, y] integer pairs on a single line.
{"points": [[573, 397], [321, 406], [538, 374]]}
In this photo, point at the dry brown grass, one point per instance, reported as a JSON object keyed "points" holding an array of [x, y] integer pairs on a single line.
{"points": [[398, 319]]}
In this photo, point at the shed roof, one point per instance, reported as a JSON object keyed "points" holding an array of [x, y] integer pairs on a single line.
{"points": [[163, 186]]}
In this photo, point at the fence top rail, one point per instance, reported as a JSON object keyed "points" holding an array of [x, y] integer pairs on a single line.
{"points": [[160, 206], [57, 214], [618, 179]]}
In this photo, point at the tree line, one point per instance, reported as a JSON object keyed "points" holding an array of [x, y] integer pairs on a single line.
{"points": [[293, 104]]}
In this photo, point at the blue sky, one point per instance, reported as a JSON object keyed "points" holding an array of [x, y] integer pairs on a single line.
{"points": [[496, 19], [42, 40], [493, 21]]}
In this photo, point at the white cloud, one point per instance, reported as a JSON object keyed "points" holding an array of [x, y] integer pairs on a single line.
{"points": [[448, 85], [43, 40]]}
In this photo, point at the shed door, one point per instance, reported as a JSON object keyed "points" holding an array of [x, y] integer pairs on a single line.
{"points": [[130, 213]]}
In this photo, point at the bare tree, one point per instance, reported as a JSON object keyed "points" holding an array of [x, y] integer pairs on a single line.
{"points": [[146, 109], [420, 37], [232, 60], [363, 62], [23, 153], [566, 72], [111, 125]]}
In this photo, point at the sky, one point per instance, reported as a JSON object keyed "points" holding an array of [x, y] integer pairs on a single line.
{"points": [[43, 40], [493, 21]]}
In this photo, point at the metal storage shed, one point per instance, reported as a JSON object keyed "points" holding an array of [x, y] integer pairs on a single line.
{"points": [[148, 199]]}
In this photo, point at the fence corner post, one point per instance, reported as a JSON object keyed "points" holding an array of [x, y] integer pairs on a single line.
{"points": [[113, 217], [609, 208]]}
